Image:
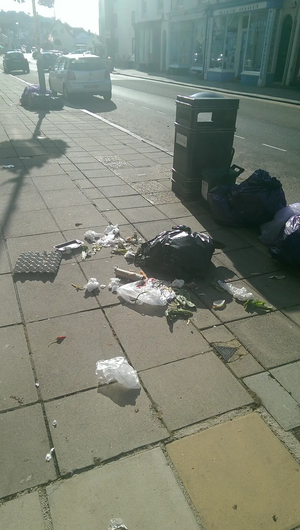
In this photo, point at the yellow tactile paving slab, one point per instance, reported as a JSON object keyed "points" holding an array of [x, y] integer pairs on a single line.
{"points": [[239, 476]]}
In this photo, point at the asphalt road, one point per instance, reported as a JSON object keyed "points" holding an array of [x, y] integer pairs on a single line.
{"points": [[267, 132]]}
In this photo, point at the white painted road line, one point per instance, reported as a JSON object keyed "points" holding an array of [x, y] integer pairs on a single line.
{"points": [[273, 147], [241, 137], [147, 108], [159, 112]]}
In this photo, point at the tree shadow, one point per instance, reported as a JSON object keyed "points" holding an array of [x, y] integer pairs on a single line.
{"points": [[91, 103], [17, 157]]}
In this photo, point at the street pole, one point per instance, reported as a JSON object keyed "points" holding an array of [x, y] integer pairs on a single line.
{"points": [[39, 62]]}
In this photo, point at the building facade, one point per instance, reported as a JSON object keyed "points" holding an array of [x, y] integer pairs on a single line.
{"points": [[116, 29], [257, 43]]}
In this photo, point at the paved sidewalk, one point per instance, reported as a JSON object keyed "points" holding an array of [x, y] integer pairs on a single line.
{"points": [[207, 443], [277, 93]]}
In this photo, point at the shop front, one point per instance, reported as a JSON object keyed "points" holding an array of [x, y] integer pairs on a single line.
{"points": [[187, 45], [241, 41]]}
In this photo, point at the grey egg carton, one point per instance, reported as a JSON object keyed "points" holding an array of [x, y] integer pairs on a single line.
{"points": [[38, 262]]}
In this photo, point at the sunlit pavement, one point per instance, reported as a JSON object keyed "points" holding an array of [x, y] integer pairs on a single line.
{"points": [[206, 443]]}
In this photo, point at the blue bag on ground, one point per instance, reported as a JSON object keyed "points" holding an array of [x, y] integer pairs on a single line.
{"points": [[287, 250], [218, 199], [258, 198], [28, 92], [178, 253]]}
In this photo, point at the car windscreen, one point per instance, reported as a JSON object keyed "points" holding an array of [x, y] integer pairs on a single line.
{"points": [[84, 64]]}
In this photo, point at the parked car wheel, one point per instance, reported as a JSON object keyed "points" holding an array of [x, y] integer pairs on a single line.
{"points": [[107, 96]]}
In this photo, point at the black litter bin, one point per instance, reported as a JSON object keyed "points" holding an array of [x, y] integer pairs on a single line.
{"points": [[204, 134]]}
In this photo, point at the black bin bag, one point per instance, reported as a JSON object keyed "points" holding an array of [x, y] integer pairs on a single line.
{"points": [[177, 253]]}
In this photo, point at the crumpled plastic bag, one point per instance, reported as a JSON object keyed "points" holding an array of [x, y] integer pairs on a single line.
{"points": [[110, 237], [179, 253], [91, 285], [274, 230], [113, 285], [287, 250], [117, 524], [117, 369], [149, 291], [92, 236], [240, 293]]}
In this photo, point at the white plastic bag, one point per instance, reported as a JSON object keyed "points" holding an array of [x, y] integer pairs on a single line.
{"points": [[239, 293], [113, 285], [270, 231], [91, 285], [92, 236], [117, 369], [150, 291], [117, 524]]}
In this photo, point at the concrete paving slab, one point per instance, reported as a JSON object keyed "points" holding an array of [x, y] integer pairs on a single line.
{"points": [[45, 170], [145, 352], [147, 213], [26, 202], [9, 312], [86, 214], [106, 179], [289, 377], [70, 366], [96, 425], [54, 183], [55, 298], [248, 262], [282, 294], [245, 365], [24, 445], [4, 263], [132, 201], [57, 199], [93, 193], [103, 205], [293, 313], [272, 339], [153, 500], [193, 389], [276, 399], [35, 243], [23, 513], [239, 476], [17, 381], [118, 191], [201, 224], [22, 223], [231, 241], [150, 229]]}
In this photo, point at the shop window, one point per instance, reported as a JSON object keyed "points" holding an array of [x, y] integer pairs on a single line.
{"points": [[144, 6], [217, 48], [230, 42], [255, 41], [160, 5], [181, 43]]}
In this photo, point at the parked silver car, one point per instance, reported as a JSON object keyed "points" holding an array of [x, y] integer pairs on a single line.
{"points": [[80, 74]]}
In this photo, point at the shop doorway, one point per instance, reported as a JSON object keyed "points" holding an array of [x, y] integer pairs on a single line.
{"points": [[283, 48]]}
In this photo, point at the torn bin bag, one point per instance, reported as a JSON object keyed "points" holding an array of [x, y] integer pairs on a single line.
{"points": [[178, 253]]}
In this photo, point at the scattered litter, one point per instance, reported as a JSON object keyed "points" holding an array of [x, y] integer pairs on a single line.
{"points": [[239, 293], [275, 277], [48, 456], [91, 285], [218, 304], [84, 252], [178, 283], [37, 384], [102, 286], [181, 307], [129, 255], [117, 524], [287, 247], [258, 304], [114, 284], [78, 224], [128, 275], [58, 340], [147, 291], [117, 369], [36, 262], [92, 236], [54, 423], [69, 245], [8, 166], [77, 287]]}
